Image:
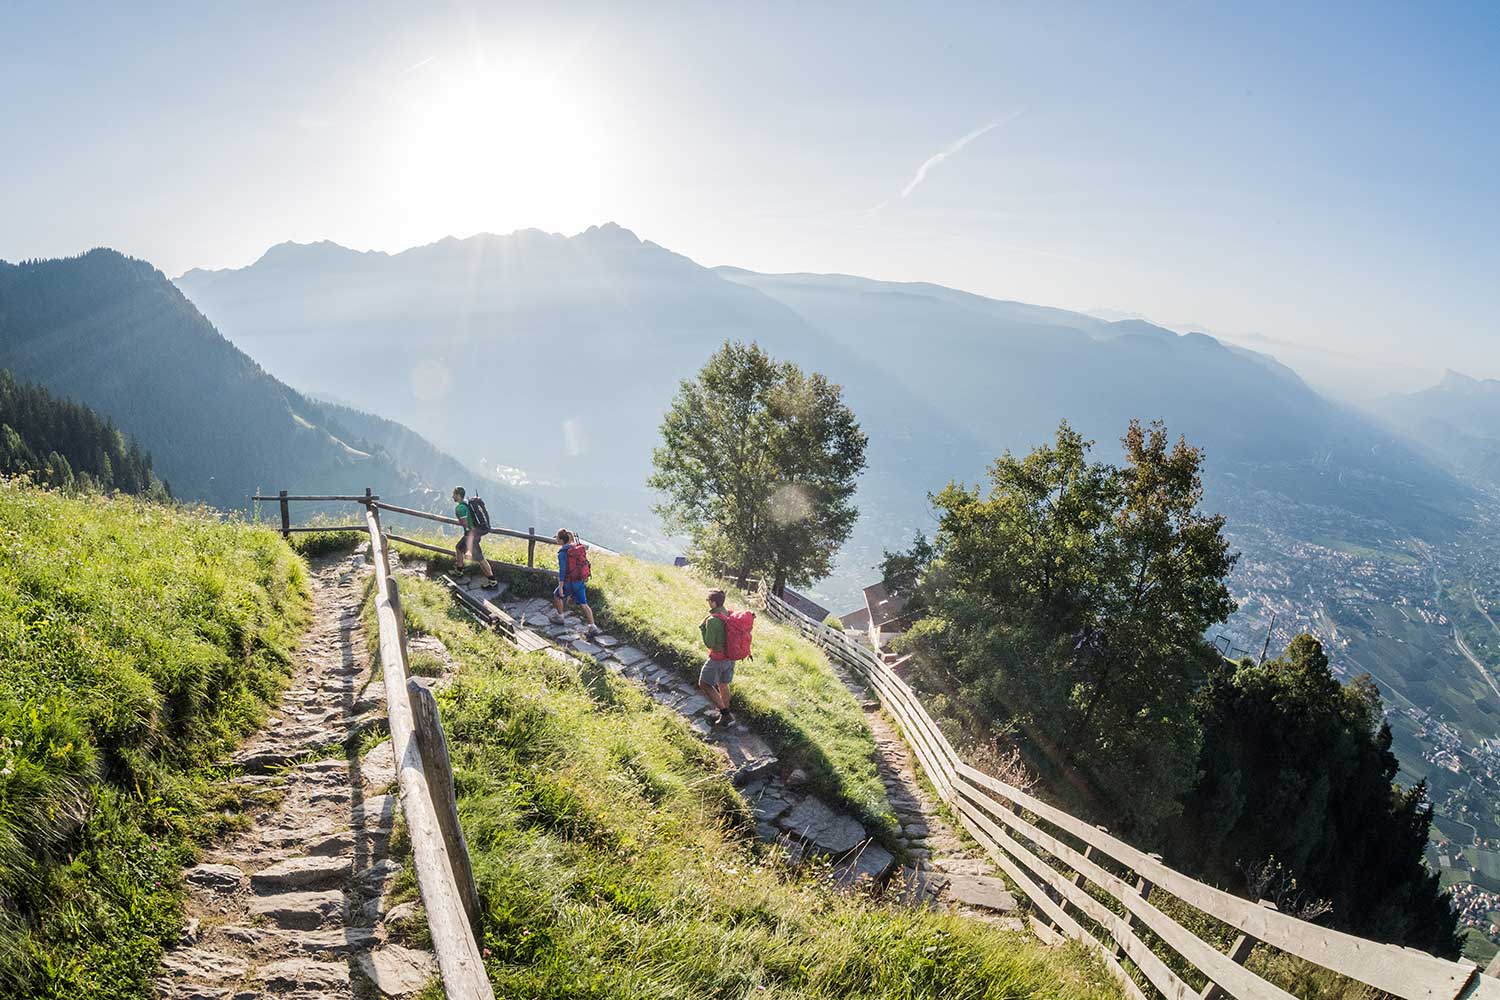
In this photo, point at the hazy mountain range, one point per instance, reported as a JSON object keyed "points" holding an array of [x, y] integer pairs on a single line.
{"points": [[559, 355], [112, 333], [1458, 419]]}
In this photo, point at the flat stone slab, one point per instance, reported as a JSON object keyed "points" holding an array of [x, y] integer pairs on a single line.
{"points": [[768, 807], [202, 963], [629, 655], [376, 811], [220, 878], [304, 911], [332, 941], [984, 891], [304, 974], [587, 648], [398, 971], [302, 873], [869, 864], [831, 831]]}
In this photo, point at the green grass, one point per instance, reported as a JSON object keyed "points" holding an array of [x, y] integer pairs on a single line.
{"points": [[614, 860], [137, 642], [788, 691]]}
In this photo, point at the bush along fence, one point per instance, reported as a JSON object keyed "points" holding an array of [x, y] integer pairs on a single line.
{"points": [[1149, 923]]}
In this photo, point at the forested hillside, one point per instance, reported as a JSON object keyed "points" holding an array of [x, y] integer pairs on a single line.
{"points": [[60, 443], [111, 332]]}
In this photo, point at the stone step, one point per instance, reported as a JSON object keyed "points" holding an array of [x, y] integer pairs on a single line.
{"points": [[318, 871], [303, 911], [398, 971], [272, 940], [304, 974], [219, 878]]}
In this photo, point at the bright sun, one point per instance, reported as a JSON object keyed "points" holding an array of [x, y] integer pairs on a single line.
{"points": [[486, 142]]}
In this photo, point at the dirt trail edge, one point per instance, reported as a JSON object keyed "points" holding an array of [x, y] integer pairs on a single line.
{"points": [[294, 907]]}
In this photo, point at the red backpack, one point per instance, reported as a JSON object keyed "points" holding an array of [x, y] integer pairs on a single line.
{"points": [[578, 563], [737, 628]]}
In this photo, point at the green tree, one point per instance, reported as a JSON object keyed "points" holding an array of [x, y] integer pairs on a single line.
{"points": [[1297, 779], [1068, 605], [758, 464]]}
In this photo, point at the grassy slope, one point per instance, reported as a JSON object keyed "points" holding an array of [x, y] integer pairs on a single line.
{"points": [[612, 861], [136, 643], [788, 691]]}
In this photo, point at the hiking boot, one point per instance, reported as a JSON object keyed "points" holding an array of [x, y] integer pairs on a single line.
{"points": [[725, 717], [714, 717], [592, 630], [491, 583], [556, 619]]}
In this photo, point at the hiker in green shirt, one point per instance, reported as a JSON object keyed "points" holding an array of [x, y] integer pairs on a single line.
{"points": [[468, 545], [718, 670]]}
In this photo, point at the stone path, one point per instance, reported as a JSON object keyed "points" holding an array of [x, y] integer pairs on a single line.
{"points": [[295, 907], [945, 870], [941, 870]]}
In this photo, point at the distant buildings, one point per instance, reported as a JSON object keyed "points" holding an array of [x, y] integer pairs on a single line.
{"points": [[883, 617]]}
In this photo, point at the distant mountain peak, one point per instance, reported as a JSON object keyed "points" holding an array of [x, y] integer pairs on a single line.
{"points": [[610, 232], [1459, 382]]}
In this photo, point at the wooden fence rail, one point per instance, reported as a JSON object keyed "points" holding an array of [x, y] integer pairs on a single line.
{"points": [[438, 852], [1068, 868]]}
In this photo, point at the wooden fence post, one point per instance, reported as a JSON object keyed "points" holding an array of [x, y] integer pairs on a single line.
{"points": [[286, 516], [531, 547], [439, 768]]}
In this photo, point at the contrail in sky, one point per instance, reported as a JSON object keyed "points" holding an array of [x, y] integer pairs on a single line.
{"points": [[953, 150]]}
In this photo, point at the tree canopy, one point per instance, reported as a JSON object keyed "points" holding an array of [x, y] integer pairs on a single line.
{"points": [[1296, 799], [1069, 604], [757, 464]]}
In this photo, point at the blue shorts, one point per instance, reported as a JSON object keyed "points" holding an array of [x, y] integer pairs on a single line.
{"points": [[573, 591]]}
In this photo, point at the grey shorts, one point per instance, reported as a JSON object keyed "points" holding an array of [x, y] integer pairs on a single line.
{"points": [[716, 672]]}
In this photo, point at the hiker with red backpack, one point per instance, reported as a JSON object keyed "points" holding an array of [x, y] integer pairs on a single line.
{"points": [[573, 571], [727, 636], [476, 521]]}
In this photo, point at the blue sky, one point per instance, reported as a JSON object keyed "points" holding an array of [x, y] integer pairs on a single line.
{"points": [[1325, 177]]}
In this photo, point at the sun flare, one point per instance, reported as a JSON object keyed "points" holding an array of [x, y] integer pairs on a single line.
{"points": [[487, 139]]}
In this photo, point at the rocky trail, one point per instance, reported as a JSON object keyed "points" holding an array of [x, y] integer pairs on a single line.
{"points": [[296, 906], [939, 870]]}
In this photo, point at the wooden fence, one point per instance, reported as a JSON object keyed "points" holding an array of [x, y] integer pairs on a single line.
{"points": [[284, 500], [424, 774], [1097, 889]]}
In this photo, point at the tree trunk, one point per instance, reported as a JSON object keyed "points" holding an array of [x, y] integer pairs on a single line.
{"points": [[743, 575], [778, 587]]}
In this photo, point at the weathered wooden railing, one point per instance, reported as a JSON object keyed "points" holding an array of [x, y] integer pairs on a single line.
{"points": [[425, 776], [284, 499], [1068, 869]]}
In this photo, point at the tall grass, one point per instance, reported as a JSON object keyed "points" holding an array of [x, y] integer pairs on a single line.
{"points": [[788, 691], [137, 641], [614, 861]]}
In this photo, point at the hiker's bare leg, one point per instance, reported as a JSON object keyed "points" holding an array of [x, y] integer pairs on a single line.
{"points": [[723, 696], [711, 692], [489, 573], [557, 602], [588, 613], [458, 556]]}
